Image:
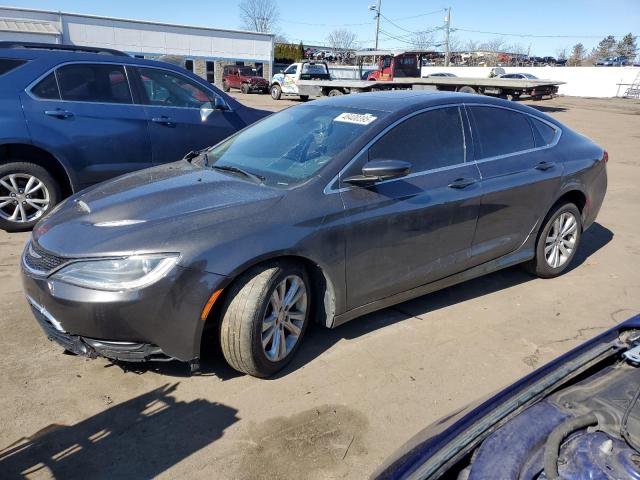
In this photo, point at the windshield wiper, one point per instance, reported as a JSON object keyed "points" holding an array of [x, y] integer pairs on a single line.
{"points": [[230, 168]]}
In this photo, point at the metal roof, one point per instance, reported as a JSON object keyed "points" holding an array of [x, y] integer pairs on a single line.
{"points": [[28, 26], [144, 22]]}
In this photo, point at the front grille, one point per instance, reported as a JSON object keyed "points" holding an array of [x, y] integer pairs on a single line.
{"points": [[42, 261]]}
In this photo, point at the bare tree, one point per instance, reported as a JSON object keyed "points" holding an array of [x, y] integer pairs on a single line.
{"points": [[343, 43], [422, 40], [259, 15], [561, 53], [492, 50], [578, 54]]}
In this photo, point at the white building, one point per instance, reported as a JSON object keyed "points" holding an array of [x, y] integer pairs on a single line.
{"points": [[203, 50]]}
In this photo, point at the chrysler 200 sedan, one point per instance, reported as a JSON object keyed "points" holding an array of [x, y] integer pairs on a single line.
{"points": [[322, 212]]}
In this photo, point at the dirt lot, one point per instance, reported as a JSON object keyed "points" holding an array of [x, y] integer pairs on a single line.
{"points": [[354, 394]]}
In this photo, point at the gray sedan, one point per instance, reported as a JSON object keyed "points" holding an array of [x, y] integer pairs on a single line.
{"points": [[323, 212]]}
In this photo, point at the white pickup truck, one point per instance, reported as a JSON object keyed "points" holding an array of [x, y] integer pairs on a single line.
{"points": [[287, 81]]}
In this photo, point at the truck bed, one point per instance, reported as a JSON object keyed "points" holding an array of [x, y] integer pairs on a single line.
{"points": [[359, 85]]}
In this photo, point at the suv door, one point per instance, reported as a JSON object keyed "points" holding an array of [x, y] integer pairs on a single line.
{"points": [[182, 114], [84, 113], [520, 178], [410, 231]]}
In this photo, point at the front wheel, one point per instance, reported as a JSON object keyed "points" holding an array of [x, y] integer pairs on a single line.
{"points": [[276, 92], [265, 318], [244, 88], [557, 242], [27, 193]]}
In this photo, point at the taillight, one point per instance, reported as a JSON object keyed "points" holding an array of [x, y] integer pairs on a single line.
{"points": [[605, 156]]}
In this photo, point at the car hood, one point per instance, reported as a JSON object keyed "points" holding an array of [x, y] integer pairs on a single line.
{"points": [[255, 79], [150, 210]]}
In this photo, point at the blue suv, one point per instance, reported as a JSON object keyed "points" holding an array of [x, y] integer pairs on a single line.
{"points": [[72, 116]]}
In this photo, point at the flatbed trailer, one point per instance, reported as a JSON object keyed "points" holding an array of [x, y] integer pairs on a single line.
{"points": [[512, 89]]}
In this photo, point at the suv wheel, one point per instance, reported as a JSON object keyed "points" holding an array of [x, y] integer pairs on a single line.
{"points": [[276, 91], [225, 86], [557, 242], [27, 193], [244, 88], [265, 318]]}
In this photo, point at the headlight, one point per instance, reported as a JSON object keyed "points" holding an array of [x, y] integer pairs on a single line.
{"points": [[127, 273]]}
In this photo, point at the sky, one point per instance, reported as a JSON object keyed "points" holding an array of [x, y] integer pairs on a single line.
{"points": [[543, 26]]}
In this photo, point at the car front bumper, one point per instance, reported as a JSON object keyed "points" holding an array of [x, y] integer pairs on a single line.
{"points": [[158, 322]]}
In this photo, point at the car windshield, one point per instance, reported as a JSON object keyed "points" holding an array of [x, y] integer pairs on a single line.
{"points": [[291, 146]]}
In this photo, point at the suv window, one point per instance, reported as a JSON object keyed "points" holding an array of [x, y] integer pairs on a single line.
{"points": [[170, 89], [544, 133], [103, 83], [8, 64], [501, 131], [429, 140], [47, 88]]}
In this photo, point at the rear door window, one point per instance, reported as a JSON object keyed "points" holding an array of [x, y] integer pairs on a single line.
{"points": [[100, 83], [501, 131], [47, 88], [429, 140], [544, 133]]}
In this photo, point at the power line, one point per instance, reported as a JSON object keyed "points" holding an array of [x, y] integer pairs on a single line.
{"points": [[532, 35], [413, 32], [420, 15], [327, 24]]}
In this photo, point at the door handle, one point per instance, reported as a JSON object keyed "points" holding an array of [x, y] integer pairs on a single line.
{"points": [[163, 120], [460, 183], [544, 166], [59, 113]]}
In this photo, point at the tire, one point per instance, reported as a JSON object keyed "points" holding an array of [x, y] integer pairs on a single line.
{"points": [[36, 204], [225, 86], [244, 88], [541, 265], [467, 89], [249, 303], [304, 98], [276, 91], [334, 92]]}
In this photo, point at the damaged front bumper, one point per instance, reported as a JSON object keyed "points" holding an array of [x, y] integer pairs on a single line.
{"points": [[91, 347]]}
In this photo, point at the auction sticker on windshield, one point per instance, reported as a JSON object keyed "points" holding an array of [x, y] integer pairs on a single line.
{"points": [[357, 118]]}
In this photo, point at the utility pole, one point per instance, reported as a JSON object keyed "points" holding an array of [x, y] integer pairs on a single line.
{"points": [[447, 29], [376, 8]]}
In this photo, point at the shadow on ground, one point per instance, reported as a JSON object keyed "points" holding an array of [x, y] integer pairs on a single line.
{"points": [[318, 339], [546, 108], [139, 438]]}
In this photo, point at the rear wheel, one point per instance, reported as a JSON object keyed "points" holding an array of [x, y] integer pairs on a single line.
{"points": [[276, 91], [334, 92], [467, 89], [244, 88], [557, 242], [265, 318], [27, 193]]}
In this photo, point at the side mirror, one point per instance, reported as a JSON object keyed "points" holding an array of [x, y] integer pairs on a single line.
{"points": [[379, 170], [219, 104]]}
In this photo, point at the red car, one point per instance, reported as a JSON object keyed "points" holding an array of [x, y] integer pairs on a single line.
{"points": [[245, 79]]}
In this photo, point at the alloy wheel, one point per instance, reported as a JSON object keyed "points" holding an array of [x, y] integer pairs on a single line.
{"points": [[561, 240], [23, 198], [284, 318]]}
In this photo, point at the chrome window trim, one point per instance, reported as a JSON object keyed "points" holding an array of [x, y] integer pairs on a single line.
{"points": [[328, 188], [554, 142], [124, 65]]}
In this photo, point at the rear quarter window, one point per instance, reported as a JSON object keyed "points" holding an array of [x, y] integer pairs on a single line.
{"points": [[8, 64], [543, 132], [47, 88], [501, 131]]}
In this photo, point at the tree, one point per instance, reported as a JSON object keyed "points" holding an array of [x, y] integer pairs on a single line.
{"points": [[343, 43], [259, 15], [606, 47], [627, 47], [492, 50], [561, 53], [578, 54], [422, 40]]}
